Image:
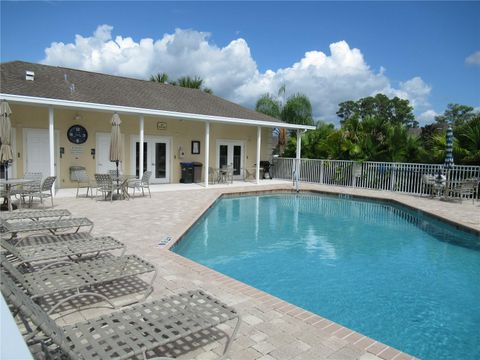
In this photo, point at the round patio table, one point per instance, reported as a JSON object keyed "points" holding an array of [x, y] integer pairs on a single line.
{"points": [[8, 185]]}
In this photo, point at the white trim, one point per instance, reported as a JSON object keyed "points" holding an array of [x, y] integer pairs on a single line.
{"points": [[142, 111]]}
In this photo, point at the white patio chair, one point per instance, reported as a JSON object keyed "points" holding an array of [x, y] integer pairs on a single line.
{"points": [[83, 181], [104, 185], [141, 184], [46, 191]]}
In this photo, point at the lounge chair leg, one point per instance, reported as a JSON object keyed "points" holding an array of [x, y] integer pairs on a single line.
{"points": [[230, 338]]}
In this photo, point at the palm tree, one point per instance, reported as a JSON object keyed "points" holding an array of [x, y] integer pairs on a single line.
{"points": [[268, 105], [297, 109], [160, 78], [469, 138], [195, 82], [190, 82]]}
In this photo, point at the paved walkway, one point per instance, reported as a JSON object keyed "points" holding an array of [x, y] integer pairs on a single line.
{"points": [[271, 328]]}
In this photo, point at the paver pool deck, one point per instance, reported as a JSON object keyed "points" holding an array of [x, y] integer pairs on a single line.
{"points": [[271, 328]]}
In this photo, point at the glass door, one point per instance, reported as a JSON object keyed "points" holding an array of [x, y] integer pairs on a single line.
{"points": [[137, 158], [237, 160], [230, 152], [156, 158], [223, 154], [160, 164]]}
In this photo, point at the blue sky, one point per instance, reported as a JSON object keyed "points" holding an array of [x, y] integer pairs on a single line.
{"points": [[416, 50]]}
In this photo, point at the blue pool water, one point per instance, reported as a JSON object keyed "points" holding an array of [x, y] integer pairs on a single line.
{"points": [[388, 272]]}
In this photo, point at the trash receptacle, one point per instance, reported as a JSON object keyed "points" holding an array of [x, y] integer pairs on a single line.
{"points": [[73, 170], [187, 172], [197, 172]]}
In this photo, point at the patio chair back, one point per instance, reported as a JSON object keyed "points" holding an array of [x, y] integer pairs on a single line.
{"points": [[31, 311], [103, 180], [37, 177], [48, 183], [146, 177]]}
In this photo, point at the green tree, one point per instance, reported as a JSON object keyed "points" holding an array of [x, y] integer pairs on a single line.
{"points": [[395, 110], [456, 115]]}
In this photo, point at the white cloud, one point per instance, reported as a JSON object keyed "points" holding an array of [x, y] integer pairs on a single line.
{"points": [[231, 71], [427, 117], [473, 59]]}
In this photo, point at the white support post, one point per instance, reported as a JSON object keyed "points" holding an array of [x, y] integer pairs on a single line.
{"points": [[142, 139], [51, 143], [297, 159], [259, 146], [207, 151]]}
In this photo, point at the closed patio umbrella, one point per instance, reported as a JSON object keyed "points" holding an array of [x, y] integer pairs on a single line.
{"points": [[448, 164], [449, 149], [6, 154], [116, 145]]}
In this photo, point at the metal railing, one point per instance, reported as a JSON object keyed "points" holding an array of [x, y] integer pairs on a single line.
{"points": [[405, 178]]}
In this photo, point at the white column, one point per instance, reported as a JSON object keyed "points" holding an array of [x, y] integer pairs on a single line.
{"points": [[207, 151], [51, 141], [298, 154], [51, 144], [141, 156], [259, 145]]}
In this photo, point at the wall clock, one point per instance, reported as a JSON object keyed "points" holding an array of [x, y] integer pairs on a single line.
{"points": [[77, 134]]}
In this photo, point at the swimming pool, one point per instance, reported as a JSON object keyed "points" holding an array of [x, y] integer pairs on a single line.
{"points": [[386, 271]]}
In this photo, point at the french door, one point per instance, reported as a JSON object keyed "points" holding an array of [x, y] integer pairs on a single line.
{"points": [[231, 152], [156, 157]]}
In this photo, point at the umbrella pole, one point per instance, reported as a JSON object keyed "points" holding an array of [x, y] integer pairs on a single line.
{"points": [[118, 190], [4, 206]]}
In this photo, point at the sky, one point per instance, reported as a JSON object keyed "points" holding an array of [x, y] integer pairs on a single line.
{"points": [[426, 52]]}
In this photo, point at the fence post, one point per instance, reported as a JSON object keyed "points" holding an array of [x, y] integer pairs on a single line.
{"points": [[321, 172], [393, 176]]}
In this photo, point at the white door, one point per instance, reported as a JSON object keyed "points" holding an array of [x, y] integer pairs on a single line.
{"points": [[156, 157], [102, 154], [37, 152], [231, 152]]}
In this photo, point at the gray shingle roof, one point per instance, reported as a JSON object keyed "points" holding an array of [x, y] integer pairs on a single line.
{"points": [[55, 83]]}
